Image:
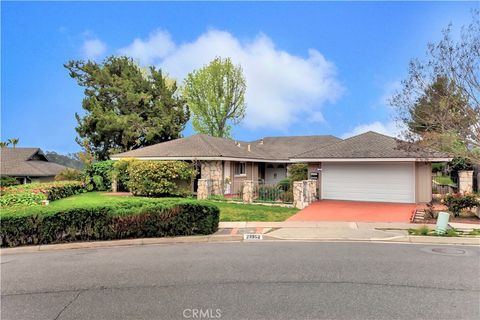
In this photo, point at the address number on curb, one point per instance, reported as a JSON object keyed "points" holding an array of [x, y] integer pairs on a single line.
{"points": [[252, 236]]}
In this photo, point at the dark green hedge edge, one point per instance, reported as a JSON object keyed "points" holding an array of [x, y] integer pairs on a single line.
{"points": [[109, 222]]}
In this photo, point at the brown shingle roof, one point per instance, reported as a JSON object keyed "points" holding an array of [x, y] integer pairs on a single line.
{"points": [[202, 145], [287, 147], [31, 162], [196, 146], [367, 145]]}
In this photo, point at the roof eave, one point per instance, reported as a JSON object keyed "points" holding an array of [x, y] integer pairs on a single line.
{"points": [[411, 159]]}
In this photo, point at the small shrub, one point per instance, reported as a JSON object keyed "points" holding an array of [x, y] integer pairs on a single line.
{"points": [[69, 174], [298, 172], [120, 173], [285, 184], [8, 182], [92, 172], [160, 178], [457, 202]]}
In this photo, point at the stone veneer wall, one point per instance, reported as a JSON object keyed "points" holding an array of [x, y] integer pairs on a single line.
{"points": [[248, 191], [203, 189], [465, 181], [212, 170], [304, 193]]}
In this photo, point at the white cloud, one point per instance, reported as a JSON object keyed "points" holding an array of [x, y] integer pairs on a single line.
{"points": [[93, 48], [149, 51], [389, 128], [282, 88]]}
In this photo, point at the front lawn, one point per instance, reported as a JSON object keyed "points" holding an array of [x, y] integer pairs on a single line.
{"points": [[228, 211], [444, 180], [252, 212]]}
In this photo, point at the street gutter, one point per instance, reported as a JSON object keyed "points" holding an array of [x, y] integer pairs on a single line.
{"points": [[232, 238]]}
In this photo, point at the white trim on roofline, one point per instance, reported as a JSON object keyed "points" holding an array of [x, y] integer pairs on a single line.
{"points": [[372, 160], [293, 160]]}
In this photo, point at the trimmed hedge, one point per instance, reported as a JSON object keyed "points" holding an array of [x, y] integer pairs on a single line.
{"points": [[34, 193], [126, 220]]}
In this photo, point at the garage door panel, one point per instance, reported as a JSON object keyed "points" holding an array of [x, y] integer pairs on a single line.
{"points": [[386, 182]]}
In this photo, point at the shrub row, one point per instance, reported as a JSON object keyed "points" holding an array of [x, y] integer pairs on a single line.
{"points": [[34, 193], [126, 220]]}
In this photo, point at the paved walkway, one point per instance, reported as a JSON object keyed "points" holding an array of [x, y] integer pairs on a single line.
{"points": [[333, 210]]}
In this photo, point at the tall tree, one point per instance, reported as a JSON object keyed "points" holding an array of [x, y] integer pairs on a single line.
{"points": [[439, 101], [126, 107], [216, 97]]}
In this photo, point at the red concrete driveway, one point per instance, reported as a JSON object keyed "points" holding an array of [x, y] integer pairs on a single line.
{"points": [[333, 210]]}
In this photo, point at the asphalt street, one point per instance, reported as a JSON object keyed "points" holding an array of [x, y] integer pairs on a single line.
{"points": [[262, 280]]}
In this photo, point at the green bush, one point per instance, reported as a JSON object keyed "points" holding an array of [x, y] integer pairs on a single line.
{"points": [[34, 193], [8, 182], [460, 164], [285, 184], [160, 178], [457, 202], [98, 176], [120, 173], [125, 220], [298, 172], [69, 174]]}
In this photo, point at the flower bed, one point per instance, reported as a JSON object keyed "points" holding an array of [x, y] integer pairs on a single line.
{"points": [[35, 193]]}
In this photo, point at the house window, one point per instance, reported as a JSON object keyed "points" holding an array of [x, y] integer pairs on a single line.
{"points": [[240, 169]]}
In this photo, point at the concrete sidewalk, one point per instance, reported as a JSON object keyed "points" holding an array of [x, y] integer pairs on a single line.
{"points": [[320, 224]]}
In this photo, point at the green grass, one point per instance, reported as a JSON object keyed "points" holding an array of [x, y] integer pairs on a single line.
{"points": [[443, 180], [251, 212], [474, 232], [228, 211]]}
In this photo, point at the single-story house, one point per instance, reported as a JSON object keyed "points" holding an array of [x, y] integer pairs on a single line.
{"points": [[366, 167], [27, 165]]}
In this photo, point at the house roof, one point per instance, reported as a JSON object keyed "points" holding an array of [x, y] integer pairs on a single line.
{"points": [[368, 145], [31, 162], [200, 146], [196, 146], [287, 147]]}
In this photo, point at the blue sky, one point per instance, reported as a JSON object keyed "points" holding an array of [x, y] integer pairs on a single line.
{"points": [[311, 68]]}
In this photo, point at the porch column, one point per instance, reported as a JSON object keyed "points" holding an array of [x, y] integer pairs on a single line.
{"points": [[465, 181], [298, 194], [247, 191], [202, 189]]}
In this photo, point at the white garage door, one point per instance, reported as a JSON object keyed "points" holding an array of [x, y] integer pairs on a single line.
{"points": [[383, 182]]}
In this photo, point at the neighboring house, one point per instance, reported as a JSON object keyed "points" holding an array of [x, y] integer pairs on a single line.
{"points": [[366, 167], [27, 165]]}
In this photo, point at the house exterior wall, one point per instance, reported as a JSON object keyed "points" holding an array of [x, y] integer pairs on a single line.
{"points": [[423, 182]]}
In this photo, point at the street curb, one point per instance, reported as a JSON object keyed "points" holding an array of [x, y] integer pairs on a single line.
{"points": [[119, 243], [396, 239], [231, 238]]}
